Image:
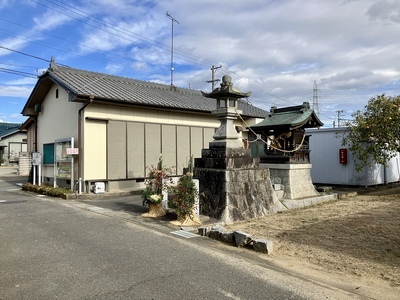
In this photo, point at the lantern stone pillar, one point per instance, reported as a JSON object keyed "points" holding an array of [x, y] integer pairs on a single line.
{"points": [[231, 185]]}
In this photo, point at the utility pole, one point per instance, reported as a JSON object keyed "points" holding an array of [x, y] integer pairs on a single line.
{"points": [[339, 112], [172, 47], [213, 81], [315, 98]]}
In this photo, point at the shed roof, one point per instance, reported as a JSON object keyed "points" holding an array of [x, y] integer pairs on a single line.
{"points": [[82, 85], [290, 118]]}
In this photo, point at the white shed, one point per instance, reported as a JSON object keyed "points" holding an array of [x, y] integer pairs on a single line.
{"points": [[330, 166]]}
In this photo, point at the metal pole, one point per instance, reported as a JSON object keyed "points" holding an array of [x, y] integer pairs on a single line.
{"points": [[172, 46]]}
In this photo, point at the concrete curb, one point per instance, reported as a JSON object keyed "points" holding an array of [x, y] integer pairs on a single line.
{"points": [[301, 203]]}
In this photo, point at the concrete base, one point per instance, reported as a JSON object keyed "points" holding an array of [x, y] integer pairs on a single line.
{"points": [[301, 203], [295, 178]]}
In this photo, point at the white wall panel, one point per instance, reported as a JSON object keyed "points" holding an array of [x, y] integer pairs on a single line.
{"points": [[326, 168]]}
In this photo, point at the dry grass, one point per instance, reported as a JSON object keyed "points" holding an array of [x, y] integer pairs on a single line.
{"points": [[358, 236]]}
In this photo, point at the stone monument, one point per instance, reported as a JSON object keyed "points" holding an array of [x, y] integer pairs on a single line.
{"points": [[231, 186]]}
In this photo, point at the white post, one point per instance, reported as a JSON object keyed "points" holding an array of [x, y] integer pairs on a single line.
{"points": [[34, 175], [80, 185], [196, 199], [40, 174]]}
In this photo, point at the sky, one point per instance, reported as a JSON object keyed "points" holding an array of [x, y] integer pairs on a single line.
{"points": [[334, 54]]}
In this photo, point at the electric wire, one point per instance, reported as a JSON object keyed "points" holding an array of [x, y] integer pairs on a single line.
{"points": [[20, 73], [145, 40]]}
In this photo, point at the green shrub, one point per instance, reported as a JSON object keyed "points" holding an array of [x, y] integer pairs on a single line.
{"points": [[185, 194], [46, 190]]}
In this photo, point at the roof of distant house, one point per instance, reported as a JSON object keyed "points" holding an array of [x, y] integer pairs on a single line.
{"points": [[85, 85], [8, 128]]}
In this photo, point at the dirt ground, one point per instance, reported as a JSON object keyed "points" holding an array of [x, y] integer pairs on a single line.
{"points": [[353, 238]]}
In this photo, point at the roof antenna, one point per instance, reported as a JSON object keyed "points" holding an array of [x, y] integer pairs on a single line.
{"points": [[172, 47]]}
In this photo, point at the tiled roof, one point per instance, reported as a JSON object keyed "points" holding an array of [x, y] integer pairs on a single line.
{"points": [[290, 117], [8, 128], [130, 91]]}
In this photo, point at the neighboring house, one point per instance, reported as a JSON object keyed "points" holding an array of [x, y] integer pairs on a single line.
{"points": [[12, 142], [108, 129], [333, 163]]}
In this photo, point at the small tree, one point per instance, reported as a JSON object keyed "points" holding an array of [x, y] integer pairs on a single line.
{"points": [[375, 131], [185, 194]]}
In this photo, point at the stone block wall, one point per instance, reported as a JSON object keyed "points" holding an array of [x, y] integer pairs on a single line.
{"points": [[236, 194], [295, 178]]}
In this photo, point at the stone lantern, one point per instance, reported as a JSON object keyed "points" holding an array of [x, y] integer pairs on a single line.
{"points": [[232, 186], [227, 98]]}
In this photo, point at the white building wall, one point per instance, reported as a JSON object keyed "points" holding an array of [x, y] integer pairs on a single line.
{"points": [[327, 169], [58, 119], [13, 145]]}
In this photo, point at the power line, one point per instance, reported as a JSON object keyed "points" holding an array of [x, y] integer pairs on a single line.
{"points": [[15, 72], [125, 34], [114, 28], [26, 54]]}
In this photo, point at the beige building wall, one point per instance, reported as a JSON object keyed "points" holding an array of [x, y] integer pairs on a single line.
{"points": [[120, 142]]}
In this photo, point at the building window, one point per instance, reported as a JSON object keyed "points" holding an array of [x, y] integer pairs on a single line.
{"points": [[56, 93]]}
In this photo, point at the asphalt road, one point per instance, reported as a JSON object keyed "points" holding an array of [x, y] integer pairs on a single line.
{"points": [[63, 249]]}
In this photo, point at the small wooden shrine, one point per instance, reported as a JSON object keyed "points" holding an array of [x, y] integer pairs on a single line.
{"points": [[287, 153], [283, 132]]}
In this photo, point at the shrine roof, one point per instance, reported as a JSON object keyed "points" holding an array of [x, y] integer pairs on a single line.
{"points": [[289, 118]]}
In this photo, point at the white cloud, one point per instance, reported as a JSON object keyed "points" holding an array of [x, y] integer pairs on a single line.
{"points": [[50, 20], [22, 81], [276, 49], [15, 43], [15, 91]]}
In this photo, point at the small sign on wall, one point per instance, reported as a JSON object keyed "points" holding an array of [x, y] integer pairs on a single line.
{"points": [[72, 151]]}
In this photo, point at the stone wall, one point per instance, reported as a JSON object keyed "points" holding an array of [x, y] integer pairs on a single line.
{"points": [[295, 179], [236, 194]]}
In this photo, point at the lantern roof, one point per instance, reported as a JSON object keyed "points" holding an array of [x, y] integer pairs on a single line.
{"points": [[226, 90]]}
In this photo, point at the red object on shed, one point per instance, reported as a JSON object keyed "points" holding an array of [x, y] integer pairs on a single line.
{"points": [[343, 156]]}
